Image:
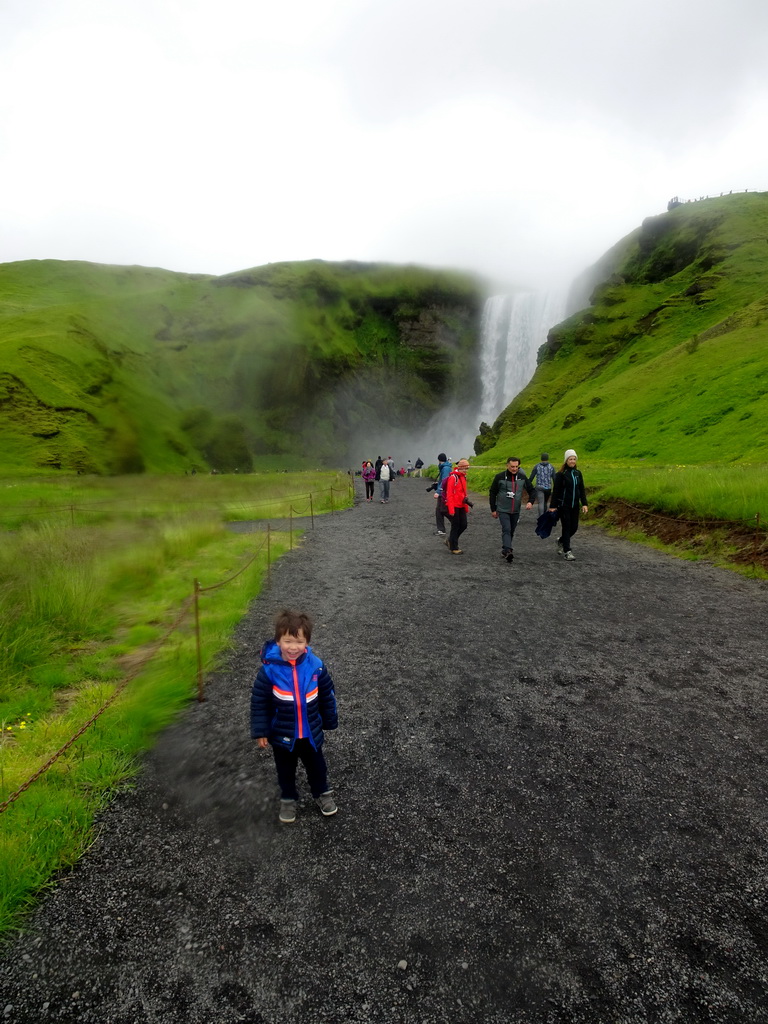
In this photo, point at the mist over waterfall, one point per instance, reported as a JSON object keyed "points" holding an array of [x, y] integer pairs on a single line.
{"points": [[514, 327], [512, 330]]}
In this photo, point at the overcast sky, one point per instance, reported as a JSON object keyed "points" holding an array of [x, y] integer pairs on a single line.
{"points": [[517, 138]]}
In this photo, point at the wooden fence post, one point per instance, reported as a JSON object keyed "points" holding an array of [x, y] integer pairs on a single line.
{"points": [[200, 695], [269, 556], [757, 537]]}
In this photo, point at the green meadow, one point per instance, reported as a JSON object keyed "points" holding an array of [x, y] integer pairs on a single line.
{"points": [[96, 585], [117, 370]]}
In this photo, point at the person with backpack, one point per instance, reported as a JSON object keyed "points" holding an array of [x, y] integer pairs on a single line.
{"points": [[457, 504], [569, 496], [444, 466], [542, 476]]}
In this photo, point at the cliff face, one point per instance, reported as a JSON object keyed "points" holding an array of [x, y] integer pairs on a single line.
{"points": [[121, 369], [667, 360]]}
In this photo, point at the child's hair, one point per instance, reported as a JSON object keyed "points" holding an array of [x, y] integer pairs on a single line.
{"points": [[290, 622]]}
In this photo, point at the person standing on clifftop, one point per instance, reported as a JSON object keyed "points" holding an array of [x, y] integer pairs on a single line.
{"points": [[570, 497]]}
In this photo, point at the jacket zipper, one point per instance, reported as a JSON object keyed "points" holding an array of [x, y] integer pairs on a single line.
{"points": [[297, 699]]}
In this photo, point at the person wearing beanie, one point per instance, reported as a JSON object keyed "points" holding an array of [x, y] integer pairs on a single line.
{"points": [[569, 497], [542, 476]]}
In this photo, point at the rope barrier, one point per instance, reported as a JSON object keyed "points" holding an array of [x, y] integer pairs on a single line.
{"points": [[685, 522], [29, 509], [192, 601], [107, 704], [217, 586]]}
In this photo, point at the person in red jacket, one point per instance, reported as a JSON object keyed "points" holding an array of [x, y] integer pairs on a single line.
{"points": [[455, 496]]}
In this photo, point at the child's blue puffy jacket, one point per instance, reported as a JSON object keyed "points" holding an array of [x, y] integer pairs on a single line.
{"points": [[292, 700]]}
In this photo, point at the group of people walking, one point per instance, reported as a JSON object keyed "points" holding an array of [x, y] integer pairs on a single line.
{"points": [[383, 471], [292, 698], [560, 496]]}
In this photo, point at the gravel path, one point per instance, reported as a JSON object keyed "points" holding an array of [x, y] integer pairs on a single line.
{"points": [[552, 789]]}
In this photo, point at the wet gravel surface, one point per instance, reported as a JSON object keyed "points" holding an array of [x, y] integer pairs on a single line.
{"points": [[552, 787]]}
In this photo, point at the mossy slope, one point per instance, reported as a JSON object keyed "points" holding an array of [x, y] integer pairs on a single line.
{"points": [[670, 361], [125, 369]]}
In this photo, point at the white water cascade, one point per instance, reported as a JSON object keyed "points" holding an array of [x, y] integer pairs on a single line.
{"points": [[514, 327]]}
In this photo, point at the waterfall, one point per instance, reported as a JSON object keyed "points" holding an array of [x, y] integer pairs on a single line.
{"points": [[513, 329]]}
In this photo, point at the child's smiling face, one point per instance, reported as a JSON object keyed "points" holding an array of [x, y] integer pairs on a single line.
{"points": [[292, 646]]}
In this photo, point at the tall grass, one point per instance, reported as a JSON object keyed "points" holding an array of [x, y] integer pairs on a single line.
{"points": [[723, 492], [93, 500], [733, 493], [81, 608]]}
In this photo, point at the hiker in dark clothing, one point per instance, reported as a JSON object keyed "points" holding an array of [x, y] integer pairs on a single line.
{"points": [[506, 498], [570, 497]]}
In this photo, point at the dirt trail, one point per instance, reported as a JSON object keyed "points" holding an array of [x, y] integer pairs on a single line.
{"points": [[552, 789]]}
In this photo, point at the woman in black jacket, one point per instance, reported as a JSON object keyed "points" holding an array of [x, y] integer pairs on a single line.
{"points": [[570, 498]]}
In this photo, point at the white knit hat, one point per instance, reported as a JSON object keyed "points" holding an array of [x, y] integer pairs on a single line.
{"points": [[570, 453]]}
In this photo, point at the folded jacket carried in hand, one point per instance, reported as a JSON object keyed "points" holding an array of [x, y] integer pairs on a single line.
{"points": [[546, 522]]}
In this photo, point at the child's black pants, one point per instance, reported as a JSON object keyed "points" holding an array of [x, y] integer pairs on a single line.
{"points": [[313, 760]]}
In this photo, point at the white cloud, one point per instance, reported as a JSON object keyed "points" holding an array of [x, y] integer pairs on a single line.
{"points": [[520, 139]]}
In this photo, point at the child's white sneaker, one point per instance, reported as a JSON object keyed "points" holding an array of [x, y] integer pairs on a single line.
{"points": [[287, 811], [326, 803]]}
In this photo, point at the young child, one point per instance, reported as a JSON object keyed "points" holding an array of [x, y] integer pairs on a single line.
{"points": [[292, 701]]}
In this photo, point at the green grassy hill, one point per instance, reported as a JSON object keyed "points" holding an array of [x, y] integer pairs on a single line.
{"points": [[670, 361], [125, 369]]}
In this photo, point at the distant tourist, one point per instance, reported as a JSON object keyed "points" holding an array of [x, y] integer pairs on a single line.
{"points": [[542, 476], [385, 479], [457, 504], [418, 466], [369, 475], [569, 497], [444, 466], [377, 467], [292, 702], [505, 497]]}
